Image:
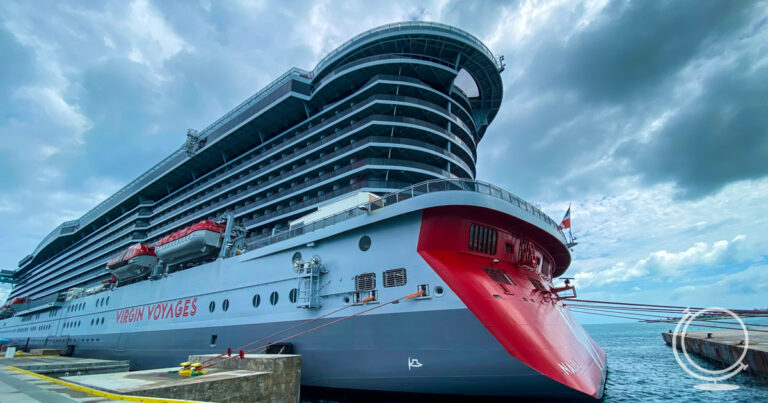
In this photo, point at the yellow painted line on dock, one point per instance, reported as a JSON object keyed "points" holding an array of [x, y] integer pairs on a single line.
{"points": [[96, 392]]}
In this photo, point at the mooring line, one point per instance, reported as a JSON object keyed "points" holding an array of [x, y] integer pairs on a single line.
{"points": [[409, 296]]}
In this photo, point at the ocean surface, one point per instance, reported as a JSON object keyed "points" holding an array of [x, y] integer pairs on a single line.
{"points": [[641, 368]]}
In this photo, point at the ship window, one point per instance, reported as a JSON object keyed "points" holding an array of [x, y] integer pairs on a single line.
{"points": [[365, 281], [292, 295], [212, 306], [107, 301], [256, 300], [225, 305], [482, 239], [365, 243], [273, 298], [91, 322], [394, 277], [102, 321]]}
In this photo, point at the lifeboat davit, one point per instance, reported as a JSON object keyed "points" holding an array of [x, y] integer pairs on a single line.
{"points": [[136, 261], [197, 241]]}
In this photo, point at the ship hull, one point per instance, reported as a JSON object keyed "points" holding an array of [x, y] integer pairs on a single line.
{"points": [[464, 336], [457, 355]]}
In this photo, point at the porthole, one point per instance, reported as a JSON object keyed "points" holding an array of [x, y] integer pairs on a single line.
{"points": [[225, 305], [273, 298], [212, 306], [292, 296], [107, 301], [102, 321], [296, 256], [439, 291], [98, 302], [365, 243], [256, 300], [91, 322], [346, 300]]}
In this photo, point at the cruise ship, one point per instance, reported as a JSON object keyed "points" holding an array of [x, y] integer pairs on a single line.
{"points": [[343, 196]]}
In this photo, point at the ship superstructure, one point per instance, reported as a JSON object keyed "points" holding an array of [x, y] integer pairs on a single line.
{"points": [[351, 182]]}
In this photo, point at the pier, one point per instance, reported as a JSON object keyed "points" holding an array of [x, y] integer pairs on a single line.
{"points": [[726, 346], [253, 378]]}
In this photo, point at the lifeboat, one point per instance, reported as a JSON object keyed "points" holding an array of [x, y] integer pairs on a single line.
{"points": [[197, 241], [19, 300], [136, 261]]}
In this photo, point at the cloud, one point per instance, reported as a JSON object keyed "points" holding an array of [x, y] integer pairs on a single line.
{"points": [[662, 263], [648, 116], [719, 138], [751, 282], [600, 92]]}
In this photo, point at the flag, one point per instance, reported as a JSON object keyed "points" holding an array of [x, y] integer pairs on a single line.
{"points": [[566, 223]]}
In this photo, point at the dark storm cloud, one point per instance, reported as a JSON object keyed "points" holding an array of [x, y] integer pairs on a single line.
{"points": [[721, 138], [580, 103], [635, 46]]}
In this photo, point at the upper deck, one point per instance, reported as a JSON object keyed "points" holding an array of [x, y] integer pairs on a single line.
{"points": [[359, 121]]}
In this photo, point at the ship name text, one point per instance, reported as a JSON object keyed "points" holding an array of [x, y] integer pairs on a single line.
{"points": [[160, 311]]}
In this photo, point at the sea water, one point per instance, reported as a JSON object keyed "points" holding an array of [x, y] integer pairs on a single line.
{"points": [[641, 368]]}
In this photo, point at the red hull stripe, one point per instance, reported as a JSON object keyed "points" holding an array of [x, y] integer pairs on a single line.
{"points": [[512, 301]]}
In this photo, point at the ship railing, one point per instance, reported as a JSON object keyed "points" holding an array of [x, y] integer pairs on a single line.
{"points": [[291, 73], [363, 104], [365, 162], [372, 119], [389, 56], [431, 186], [404, 26], [460, 141], [293, 189]]}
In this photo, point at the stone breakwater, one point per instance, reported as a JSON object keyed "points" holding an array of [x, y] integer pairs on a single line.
{"points": [[726, 347]]}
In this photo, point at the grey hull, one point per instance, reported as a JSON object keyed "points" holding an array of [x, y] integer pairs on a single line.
{"points": [[450, 353]]}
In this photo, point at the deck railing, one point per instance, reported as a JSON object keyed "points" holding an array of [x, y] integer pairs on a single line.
{"points": [[431, 186]]}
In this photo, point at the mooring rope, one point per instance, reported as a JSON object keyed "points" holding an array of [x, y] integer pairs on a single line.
{"points": [[343, 318], [645, 312], [229, 350]]}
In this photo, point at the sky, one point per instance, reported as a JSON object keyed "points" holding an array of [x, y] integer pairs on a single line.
{"points": [[649, 118]]}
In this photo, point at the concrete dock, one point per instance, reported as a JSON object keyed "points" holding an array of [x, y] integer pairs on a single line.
{"points": [[57, 366], [726, 346], [253, 378]]}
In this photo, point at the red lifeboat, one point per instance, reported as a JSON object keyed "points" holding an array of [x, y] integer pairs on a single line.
{"points": [[196, 241], [19, 300], [133, 262]]}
